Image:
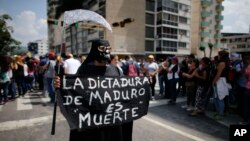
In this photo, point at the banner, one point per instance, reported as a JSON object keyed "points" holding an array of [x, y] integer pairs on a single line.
{"points": [[92, 102]]}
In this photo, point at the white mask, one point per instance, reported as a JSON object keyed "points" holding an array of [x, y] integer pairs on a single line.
{"points": [[189, 65]]}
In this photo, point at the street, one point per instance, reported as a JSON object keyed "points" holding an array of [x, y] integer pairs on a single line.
{"points": [[29, 119]]}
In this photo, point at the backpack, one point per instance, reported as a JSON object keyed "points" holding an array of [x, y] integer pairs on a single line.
{"points": [[132, 70], [3, 77]]}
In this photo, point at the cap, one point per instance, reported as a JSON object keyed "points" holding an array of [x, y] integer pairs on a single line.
{"points": [[51, 54]]}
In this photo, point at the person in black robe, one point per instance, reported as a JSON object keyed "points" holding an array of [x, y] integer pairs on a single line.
{"points": [[96, 65]]}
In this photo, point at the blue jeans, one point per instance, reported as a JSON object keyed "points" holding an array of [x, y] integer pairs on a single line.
{"points": [[12, 89], [21, 87], [161, 83], [4, 87], [51, 89], [219, 105]]}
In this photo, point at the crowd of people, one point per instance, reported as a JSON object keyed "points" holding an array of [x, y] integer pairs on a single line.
{"points": [[226, 80]]}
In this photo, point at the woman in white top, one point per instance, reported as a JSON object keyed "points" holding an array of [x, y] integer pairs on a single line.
{"points": [[152, 70]]}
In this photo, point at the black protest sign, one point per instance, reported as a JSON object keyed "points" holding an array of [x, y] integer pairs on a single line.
{"points": [[92, 102]]}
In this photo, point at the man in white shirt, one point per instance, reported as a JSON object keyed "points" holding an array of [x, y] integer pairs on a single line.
{"points": [[71, 65]]}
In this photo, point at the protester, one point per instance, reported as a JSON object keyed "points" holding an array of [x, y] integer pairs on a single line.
{"points": [[19, 76], [71, 64], [4, 79], [152, 71], [130, 67], [161, 77], [202, 75], [114, 60], [173, 78], [50, 74], [96, 65], [221, 87], [246, 102], [191, 84]]}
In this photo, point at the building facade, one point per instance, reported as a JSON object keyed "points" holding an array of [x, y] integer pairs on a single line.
{"points": [[160, 27], [206, 26], [39, 47], [236, 42]]}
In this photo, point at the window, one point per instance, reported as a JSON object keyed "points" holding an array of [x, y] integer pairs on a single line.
{"points": [[170, 19], [169, 33], [169, 46], [168, 5], [182, 32], [184, 7], [183, 20], [150, 5], [182, 45], [149, 45], [149, 32], [150, 19]]}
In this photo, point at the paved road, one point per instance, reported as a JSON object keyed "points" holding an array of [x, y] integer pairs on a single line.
{"points": [[29, 119]]}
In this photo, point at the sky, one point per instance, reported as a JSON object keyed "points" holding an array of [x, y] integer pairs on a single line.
{"points": [[29, 17]]}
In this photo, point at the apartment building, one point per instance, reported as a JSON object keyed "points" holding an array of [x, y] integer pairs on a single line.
{"points": [[206, 26], [39, 47], [160, 27], [236, 42]]}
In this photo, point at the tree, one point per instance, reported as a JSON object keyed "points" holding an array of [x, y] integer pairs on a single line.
{"points": [[7, 43], [210, 45], [202, 48]]}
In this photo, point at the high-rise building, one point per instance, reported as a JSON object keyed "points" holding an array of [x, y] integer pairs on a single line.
{"points": [[206, 26], [160, 27], [39, 47]]}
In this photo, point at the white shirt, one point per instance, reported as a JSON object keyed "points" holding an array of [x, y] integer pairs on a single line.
{"points": [[151, 67], [170, 74], [71, 65], [25, 68]]}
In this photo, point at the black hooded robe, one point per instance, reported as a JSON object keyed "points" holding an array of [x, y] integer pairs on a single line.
{"points": [[111, 133]]}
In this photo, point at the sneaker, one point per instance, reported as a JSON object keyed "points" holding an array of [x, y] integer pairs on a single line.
{"points": [[184, 106], [190, 108], [152, 98]]}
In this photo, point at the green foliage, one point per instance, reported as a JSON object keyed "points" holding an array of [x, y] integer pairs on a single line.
{"points": [[202, 48], [7, 43], [210, 45]]}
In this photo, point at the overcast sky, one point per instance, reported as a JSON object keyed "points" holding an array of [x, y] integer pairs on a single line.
{"points": [[236, 16], [29, 17]]}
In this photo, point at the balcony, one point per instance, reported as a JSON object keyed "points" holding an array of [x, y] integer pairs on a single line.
{"points": [[205, 14], [219, 8], [218, 27], [204, 24], [204, 34], [203, 44], [217, 45], [205, 3], [219, 17], [217, 36]]}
